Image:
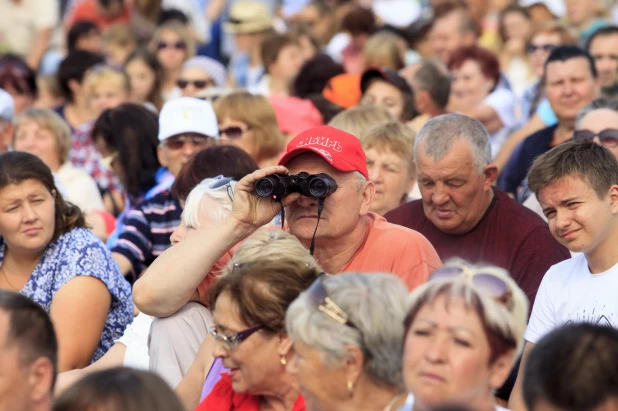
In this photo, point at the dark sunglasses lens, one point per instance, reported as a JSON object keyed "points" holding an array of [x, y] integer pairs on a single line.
{"points": [[180, 45], [490, 285], [182, 83], [175, 144], [583, 135], [161, 45], [199, 84], [446, 273], [233, 132], [220, 182], [609, 138]]}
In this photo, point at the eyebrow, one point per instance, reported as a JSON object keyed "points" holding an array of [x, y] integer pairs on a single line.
{"points": [[451, 329]]}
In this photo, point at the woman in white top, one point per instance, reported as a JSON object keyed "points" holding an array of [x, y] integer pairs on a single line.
{"points": [[464, 331], [45, 134]]}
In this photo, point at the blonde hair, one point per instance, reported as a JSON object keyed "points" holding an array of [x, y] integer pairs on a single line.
{"points": [[257, 113], [270, 244], [180, 30], [103, 74], [357, 119], [50, 120], [507, 324], [383, 50], [394, 137], [120, 35]]}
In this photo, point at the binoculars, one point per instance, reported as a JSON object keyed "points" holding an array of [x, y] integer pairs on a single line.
{"points": [[310, 185]]}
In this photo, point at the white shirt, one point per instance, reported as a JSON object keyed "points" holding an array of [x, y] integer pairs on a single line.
{"points": [[20, 22], [81, 189], [502, 100], [135, 338], [409, 405], [569, 293]]}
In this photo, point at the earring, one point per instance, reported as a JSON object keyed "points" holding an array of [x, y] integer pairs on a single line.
{"points": [[351, 388], [284, 360]]}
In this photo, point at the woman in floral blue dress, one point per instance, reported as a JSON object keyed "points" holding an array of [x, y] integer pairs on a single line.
{"points": [[48, 255]]}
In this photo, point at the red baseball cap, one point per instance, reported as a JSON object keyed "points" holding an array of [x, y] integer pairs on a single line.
{"points": [[340, 149]]}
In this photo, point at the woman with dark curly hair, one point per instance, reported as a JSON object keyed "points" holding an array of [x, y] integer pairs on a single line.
{"points": [[48, 255]]}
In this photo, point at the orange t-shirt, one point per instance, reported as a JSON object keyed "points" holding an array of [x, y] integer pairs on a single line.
{"points": [[87, 10], [395, 249], [215, 271]]}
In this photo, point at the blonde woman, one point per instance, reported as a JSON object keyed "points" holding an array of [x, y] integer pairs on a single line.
{"points": [[173, 45], [106, 87], [358, 119], [464, 331], [248, 121], [43, 133], [385, 50]]}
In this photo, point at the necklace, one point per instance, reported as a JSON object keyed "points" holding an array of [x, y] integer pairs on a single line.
{"points": [[396, 398], [7, 279]]}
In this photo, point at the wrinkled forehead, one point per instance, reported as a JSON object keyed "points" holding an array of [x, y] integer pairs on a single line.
{"points": [[599, 120], [313, 164]]}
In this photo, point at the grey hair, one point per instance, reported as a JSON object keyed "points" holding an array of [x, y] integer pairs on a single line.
{"points": [[360, 180], [438, 135], [375, 303], [506, 323], [596, 104], [195, 199]]}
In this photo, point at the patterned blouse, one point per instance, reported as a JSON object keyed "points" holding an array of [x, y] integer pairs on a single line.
{"points": [[79, 252]]}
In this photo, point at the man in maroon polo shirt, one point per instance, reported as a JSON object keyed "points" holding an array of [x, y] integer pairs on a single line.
{"points": [[463, 215]]}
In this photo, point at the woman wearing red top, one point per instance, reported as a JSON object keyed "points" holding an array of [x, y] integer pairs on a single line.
{"points": [[249, 314]]}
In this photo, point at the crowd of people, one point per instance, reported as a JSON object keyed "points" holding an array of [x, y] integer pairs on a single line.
{"points": [[308, 205]]}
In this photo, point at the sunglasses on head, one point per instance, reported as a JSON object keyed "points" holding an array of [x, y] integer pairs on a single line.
{"points": [[486, 283], [544, 47], [199, 84], [607, 137], [220, 182], [179, 45], [176, 143], [233, 132]]}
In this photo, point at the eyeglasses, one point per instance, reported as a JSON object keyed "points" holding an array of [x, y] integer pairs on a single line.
{"points": [[107, 162], [231, 341], [179, 45], [548, 48], [486, 283], [199, 84], [607, 138], [176, 143], [221, 182], [233, 132], [318, 296]]}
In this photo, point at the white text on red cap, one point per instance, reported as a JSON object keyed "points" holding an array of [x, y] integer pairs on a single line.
{"points": [[321, 141]]}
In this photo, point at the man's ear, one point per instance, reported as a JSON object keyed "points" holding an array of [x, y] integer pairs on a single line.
{"points": [[613, 198], [40, 379], [491, 175], [369, 192]]}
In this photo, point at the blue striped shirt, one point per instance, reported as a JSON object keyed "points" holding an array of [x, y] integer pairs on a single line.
{"points": [[147, 229]]}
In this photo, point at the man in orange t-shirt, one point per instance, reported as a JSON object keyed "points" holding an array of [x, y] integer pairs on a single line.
{"points": [[102, 12]]}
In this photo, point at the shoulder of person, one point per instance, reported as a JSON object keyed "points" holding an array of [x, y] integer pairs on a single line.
{"points": [[405, 214], [560, 273], [534, 139]]}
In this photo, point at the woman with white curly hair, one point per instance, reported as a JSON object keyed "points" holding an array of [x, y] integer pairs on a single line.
{"points": [[464, 331]]}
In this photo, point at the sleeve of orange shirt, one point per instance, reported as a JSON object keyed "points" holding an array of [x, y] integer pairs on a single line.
{"points": [[418, 259], [215, 271]]}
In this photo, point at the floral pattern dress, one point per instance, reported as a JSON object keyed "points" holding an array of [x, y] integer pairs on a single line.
{"points": [[80, 253]]}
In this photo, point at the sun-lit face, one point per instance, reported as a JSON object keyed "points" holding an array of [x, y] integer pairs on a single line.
{"points": [[390, 174], [27, 216], [516, 26], [172, 50], [107, 95], [569, 86], [447, 357], [239, 134], [142, 79], [37, 140], [469, 83], [577, 217], [604, 51], [452, 188], [384, 94], [445, 36], [288, 63]]}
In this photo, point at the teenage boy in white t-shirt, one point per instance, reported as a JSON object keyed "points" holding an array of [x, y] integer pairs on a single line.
{"points": [[577, 186]]}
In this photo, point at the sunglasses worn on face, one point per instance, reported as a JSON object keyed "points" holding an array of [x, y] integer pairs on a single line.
{"points": [[176, 143], [199, 84], [607, 137], [232, 341], [544, 47], [179, 45], [233, 132], [486, 283]]}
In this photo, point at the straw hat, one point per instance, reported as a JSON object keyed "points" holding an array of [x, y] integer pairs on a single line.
{"points": [[248, 16]]}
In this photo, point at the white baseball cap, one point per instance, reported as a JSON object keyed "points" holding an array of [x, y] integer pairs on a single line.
{"points": [[187, 115], [7, 107]]}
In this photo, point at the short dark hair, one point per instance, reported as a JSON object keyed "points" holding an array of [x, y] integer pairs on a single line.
{"points": [[74, 67], [595, 164], [30, 328], [80, 29], [359, 21], [435, 81], [314, 75], [229, 161], [17, 167], [131, 130], [574, 367], [602, 32], [119, 388], [567, 52], [264, 289], [16, 74], [172, 15], [272, 46]]}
